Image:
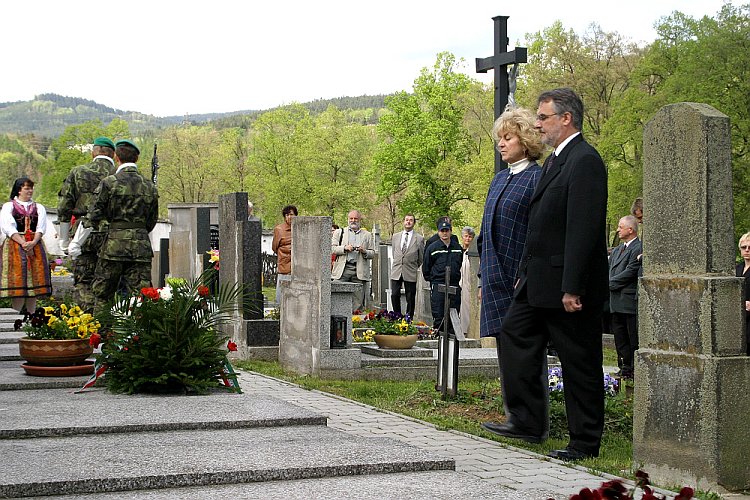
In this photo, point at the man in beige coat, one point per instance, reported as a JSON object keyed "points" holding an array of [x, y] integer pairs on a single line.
{"points": [[408, 253], [353, 248]]}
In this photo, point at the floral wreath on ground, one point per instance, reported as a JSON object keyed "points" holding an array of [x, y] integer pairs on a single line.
{"points": [[167, 340]]}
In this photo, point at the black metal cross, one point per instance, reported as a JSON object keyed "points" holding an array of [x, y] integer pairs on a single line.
{"points": [[499, 64]]}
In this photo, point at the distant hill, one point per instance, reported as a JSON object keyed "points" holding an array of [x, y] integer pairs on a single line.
{"points": [[47, 115]]}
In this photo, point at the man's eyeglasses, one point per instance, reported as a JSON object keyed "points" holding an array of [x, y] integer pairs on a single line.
{"points": [[541, 117], [745, 247]]}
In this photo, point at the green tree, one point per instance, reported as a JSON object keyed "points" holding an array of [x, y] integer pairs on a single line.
{"points": [[425, 147], [703, 60], [189, 161]]}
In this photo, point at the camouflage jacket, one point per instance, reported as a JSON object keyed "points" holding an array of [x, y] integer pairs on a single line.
{"points": [[129, 204], [77, 192]]}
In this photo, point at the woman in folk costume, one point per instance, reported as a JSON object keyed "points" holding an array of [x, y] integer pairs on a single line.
{"points": [[24, 267], [506, 214]]}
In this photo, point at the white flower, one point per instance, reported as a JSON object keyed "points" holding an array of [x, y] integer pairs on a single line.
{"points": [[165, 293]]}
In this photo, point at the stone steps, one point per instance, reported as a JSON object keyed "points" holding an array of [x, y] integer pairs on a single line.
{"points": [[414, 485], [56, 442], [10, 337], [9, 352], [57, 412], [12, 378], [145, 460]]}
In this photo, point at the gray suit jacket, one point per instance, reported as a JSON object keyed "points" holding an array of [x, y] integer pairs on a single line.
{"points": [[363, 260], [406, 265], [623, 277]]}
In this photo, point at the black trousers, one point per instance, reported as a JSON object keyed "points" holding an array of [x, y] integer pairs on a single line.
{"points": [[625, 331], [578, 340], [410, 289], [437, 304]]}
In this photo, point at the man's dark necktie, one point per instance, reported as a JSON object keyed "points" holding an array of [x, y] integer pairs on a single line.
{"points": [[548, 164]]}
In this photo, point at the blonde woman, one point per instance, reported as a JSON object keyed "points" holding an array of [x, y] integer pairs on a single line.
{"points": [[743, 271], [506, 214]]}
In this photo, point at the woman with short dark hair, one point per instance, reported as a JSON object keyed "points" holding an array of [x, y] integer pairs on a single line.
{"points": [[24, 266], [282, 247]]}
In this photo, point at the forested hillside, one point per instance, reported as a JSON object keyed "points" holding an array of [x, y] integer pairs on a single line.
{"points": [[47, 115]]}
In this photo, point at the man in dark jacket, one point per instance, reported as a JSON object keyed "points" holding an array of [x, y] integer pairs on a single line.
{"points": [[624, 265], [445, 252], [561, 289]]}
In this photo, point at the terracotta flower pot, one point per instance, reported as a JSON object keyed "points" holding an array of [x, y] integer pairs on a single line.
{"points": [[396, 341], [54, 352]]}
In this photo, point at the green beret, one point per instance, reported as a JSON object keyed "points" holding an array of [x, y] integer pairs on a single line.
{"points": [[104, 141], [129, 143]]}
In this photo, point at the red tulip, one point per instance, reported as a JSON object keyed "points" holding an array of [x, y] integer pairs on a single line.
{"points": [[231, 346], [203, 291]]}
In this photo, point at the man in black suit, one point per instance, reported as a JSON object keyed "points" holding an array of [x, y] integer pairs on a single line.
{"points": [[561, 288], [624, 265]]}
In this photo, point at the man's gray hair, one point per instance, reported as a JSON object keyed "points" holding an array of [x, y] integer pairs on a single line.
{"points": [[565, 100]]}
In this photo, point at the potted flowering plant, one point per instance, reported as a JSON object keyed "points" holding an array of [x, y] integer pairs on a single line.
{"points": [[168, 339], [388, 329], [57, 335]]}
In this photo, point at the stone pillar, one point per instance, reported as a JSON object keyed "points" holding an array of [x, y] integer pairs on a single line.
{"points": [[304, 341], [691, 374]]}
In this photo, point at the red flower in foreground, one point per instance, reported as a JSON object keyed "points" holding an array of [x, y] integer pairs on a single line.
{"points": [[150, 293], [586, 494], [231, 346], [686, 493], [203, 290], [95, 339]]}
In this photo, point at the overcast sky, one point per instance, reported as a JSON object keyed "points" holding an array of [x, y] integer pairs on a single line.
{"points": [[171, 58]]}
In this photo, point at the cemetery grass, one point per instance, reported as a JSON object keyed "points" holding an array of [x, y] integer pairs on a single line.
{"points": [[479, 401]]}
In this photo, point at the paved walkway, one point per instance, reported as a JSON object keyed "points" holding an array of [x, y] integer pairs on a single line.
{"points": [[487, 460]]}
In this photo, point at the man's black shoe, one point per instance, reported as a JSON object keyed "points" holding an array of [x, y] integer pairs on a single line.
{"points": [[510, 431], [569, 454]]}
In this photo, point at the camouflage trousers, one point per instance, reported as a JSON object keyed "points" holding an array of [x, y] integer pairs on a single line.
{"points": [[84, 270], [112, 275]]}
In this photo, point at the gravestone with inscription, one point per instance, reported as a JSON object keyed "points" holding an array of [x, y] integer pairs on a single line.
{"points": [[241, 262]]}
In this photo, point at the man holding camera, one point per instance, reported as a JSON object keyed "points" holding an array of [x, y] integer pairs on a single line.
{"points": [[353, 248]]}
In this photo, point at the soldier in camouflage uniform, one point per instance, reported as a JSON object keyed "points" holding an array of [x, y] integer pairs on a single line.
{"points": [[129, 204], [75, 197]]}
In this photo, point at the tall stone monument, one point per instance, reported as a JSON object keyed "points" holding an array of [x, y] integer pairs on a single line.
{"points": [[691, 374], [239, 244], [311, 302]]}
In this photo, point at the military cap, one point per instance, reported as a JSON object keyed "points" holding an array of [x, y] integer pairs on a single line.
{"points": [[129, 143], [104, 141]]}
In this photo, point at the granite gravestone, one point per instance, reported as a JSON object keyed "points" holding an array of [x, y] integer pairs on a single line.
{"points": [[691, 374], [241, 262]]}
